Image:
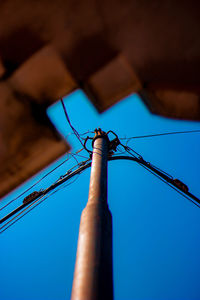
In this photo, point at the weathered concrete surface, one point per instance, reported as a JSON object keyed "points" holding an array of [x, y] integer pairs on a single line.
{"points": [[108, 48], [28, 140]]}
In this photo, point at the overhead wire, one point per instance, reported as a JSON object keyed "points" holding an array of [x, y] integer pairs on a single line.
{"points": [[160, 134], [127, 149], [89, 131], [80, 134], [33, 205], [38, 181], [44, 176], [70, 153], [70, 124], [173, 187], [21, 212], [17, 212], [71, 169], [74, 157]]}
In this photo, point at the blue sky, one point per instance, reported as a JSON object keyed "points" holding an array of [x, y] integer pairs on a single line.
{"points": [[155, 230]]}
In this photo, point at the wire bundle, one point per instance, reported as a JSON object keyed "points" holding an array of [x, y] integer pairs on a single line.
{"points": [[24, 209]]}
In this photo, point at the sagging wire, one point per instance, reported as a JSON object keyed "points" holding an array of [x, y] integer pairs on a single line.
{"points": [[74, 157], [128, 149], [70, 153], [80, 134], [9, 222], [173, 187], [140, 158], [165, 173], [70, 124], [11, 201], [114, 145], [26, 211], [140, 161], [87, 132], [33, 205], [26, 205], [46, 175], [159, 134], [70, 170]]}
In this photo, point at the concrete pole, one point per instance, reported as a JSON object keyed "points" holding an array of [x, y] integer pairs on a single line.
{"points": [[93, 278]]}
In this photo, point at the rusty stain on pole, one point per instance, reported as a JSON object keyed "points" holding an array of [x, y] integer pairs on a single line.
{"points": [[93, 278]]}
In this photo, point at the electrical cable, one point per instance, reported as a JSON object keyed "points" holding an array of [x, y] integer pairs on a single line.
{"points": [[74, 158], [128, 149], [162, 175], [21, 212], [173, 187], [82, 166], [82, 156], [89, 131], [29, 208], [34, 204], [80, 134], [70, 170], [68, 120], [43, 177], [167, 174], [168, 183], [160, 134], [76, 133], [34, 184]]}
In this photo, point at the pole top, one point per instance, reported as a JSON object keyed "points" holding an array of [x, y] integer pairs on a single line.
{"points": [[99, 133]]}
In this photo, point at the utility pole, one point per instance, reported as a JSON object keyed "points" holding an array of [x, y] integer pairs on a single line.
{"points": [[93, 275]]}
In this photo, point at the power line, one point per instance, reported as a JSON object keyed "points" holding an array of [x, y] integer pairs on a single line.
{"points": [[18, 217], [173, 187], [43, 177], [159, 134], [82, 166], [34, 184], [21, 212], [85, 165], [34, 204], [33, 199], [68, 120], [186, 195], [128, 149]]}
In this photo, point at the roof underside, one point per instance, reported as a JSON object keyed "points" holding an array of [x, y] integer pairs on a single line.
{"points": [[107, 48]]}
